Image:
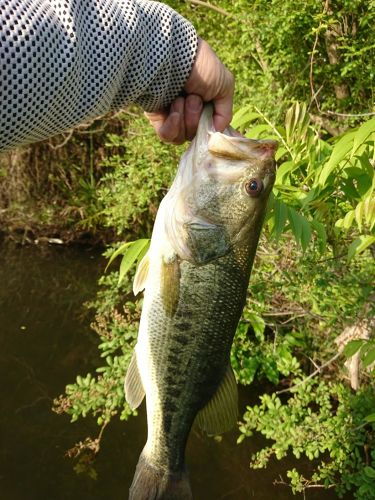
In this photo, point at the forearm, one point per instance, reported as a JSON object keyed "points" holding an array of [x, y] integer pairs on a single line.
{"points": [[63, 63]]}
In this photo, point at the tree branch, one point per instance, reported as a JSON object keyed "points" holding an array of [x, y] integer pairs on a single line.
{"points": [[211, 6], [318, 370]]}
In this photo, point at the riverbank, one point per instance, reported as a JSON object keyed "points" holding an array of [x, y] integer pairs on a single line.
{"points": [[49, 190], [26, 232]]}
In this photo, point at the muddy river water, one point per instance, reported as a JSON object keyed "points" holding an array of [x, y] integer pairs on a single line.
{"points": [[45, 341]]}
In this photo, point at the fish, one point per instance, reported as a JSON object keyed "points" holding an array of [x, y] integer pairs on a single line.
{"points": [[195, 278]]}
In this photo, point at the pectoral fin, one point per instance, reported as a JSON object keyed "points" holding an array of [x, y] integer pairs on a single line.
{"points": [[140, 277], [134, 391], [170, 285], [206, 241], [221, 412]]}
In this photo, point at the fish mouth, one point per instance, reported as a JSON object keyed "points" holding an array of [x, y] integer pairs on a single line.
{"points": [[268, 172], [267, 169], [271, 168]]}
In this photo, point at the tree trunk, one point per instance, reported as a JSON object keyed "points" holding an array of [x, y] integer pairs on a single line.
{"points": [[332, 46]]}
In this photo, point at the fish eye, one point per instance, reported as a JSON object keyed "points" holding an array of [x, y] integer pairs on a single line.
{"points": [[254, 187]]}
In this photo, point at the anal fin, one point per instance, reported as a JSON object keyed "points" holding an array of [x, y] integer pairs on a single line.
{"points": [[221, 412], [134, 391]]}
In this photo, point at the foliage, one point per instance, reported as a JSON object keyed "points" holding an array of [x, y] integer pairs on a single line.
{"points": [[279, 49], [102, 395], [366, 350], [139, 170], [53, 183], [321, 420], [299, 313], [323, 188], [324, 196], [290, 320], [132, 252]]}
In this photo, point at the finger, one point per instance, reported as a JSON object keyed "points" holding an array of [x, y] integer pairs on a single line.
{"points": [[169, 131], [178, 107], [170, 126], [222, 115], [157, 120], [211, 80], [193, 110], [223, 105], [167, 125]]}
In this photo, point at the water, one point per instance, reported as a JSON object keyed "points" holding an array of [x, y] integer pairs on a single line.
{"points": [[45, 341]]}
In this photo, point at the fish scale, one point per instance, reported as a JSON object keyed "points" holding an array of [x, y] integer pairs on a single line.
{"points": [[181, 371]]}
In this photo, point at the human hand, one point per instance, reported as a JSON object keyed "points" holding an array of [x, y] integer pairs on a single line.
{"points": [[209, 80]]}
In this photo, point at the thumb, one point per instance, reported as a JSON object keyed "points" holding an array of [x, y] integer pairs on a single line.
{"points": [[211, 80], [223, 104]]}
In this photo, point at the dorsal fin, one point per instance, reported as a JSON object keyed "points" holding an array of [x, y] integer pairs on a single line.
{"points": [[221, 412], [134, 391]]}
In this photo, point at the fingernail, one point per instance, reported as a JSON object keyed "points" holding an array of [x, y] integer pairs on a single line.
{"points": [[195, 103]]}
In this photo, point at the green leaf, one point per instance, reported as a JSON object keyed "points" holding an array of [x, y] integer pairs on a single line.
{"points": [[369, 211], [309, 197], [369, 471], [250, 366], [369, 358], [271, 372], [370, 418], [364, 131], [257, 131], [359, 211], [289, 121], [339, 152], [359, 245], [280, 152], [300, 227], [321, 233], [346, 221], [349, 188], [120, 251], [133, 252], [280, 214], [285, 168], [295, 223], [244, 116], [296, 122], [305, 234], [143, 252], [258, 324], [352, 347]]}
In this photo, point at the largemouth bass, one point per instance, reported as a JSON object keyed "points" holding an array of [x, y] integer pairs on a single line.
{"points": [[195, 277]]}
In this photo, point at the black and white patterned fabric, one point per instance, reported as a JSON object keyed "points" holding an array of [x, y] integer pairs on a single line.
{"points": [[63, 62]]}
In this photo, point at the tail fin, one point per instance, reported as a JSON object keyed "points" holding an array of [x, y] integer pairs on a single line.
{"points": [[150, 483]]}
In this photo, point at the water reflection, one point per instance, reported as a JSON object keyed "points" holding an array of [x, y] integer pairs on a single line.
{"points": [[45, 341]]}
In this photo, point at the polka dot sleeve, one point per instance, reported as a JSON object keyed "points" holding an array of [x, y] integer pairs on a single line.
{"points": [[63, 62]]}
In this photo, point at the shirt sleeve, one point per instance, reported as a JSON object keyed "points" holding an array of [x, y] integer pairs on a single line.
{"points": [[64, 62]]}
